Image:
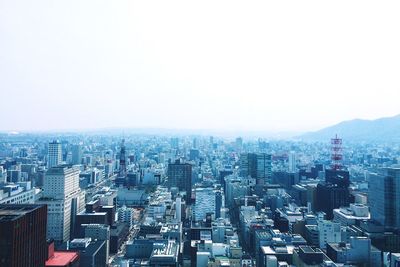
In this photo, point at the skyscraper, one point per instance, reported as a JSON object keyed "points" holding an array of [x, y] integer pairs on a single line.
{"points": [[264, 168], [292, 162], [218, 204], [180, 176], [64, 200], [76, 154], [384, 197], [54, 156], [334, 192], [258, 166], [23, 235]]}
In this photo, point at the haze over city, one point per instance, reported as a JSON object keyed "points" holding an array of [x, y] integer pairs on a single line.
{"points": [[220, 65], [199, 133]]}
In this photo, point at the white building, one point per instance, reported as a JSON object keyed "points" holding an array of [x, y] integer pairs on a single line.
{"points": [[54, 156], [205, 203], [20, 193], [3, 175], [350, 215], [126, 215], [329, 232], [64, 200]]}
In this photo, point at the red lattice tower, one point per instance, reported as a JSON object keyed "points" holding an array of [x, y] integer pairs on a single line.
{"points": [[337, 155]]}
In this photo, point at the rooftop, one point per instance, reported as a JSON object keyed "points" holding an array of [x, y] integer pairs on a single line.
{"points": [[62, 258], [12, 212]]}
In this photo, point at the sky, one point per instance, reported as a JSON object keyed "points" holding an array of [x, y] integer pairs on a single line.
{"points": [[273, 66]]}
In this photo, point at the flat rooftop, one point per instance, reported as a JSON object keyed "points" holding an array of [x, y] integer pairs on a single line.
{"points": [[62, 258], [12, 212]]}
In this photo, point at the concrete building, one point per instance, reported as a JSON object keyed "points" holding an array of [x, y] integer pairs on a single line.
{"points": [[76, 154], [64, 199], [205, 203], [92, 253], [125, 214], [292, 162], [384, 197], [180, 176], [20, 193], [351, 215], [329, 232], [54, 154], [165, 254], [98, 232], [358, 252]]}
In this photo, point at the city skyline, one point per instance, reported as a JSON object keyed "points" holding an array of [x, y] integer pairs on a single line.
{"points": [[177, 65]]}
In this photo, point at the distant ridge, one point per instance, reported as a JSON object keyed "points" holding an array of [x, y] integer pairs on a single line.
{"points": [[379, 130]]}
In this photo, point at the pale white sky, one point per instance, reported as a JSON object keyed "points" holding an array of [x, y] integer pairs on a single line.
{"points": [[256, 65]]}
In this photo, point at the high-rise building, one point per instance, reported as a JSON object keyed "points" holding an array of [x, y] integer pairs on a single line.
{"points": [[258, 166], [264, 167], [384, 197], [3, 175], [330, 197], [205, 203], [76, 154], [334, 193], [54, 155], [23, 235], [180, 176], [218, 204], [248, 165], [64, 200], [292, 162]]}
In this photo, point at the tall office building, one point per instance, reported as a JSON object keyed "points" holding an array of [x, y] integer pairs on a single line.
{"points": [[54, 155], [76, 154], [334, 192], [384, 197], [258, 166], [292, 162], [205, 203], [264, 168], [218, 204], [64, 200], [180, 176], [23, 235]]}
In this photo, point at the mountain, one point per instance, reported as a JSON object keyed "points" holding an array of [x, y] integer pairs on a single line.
{"points": [[379, 130]]}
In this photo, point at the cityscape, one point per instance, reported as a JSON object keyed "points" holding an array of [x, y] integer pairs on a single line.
{"points": [[213, 133], [154, 200]]}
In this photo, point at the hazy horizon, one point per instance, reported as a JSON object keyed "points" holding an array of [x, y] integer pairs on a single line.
{"points": [[221, 66]]}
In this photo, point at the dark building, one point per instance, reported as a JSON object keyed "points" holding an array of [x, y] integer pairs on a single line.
{"points": [[281, 223], [218, 204], [334, 193], [89, 218], [222, 175], [337, 177], [194, 154], [118, 234], [286, 179], [330, 196], [248, 165], [92, 253], [180, 176], [305, 255], [23, 235]]}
